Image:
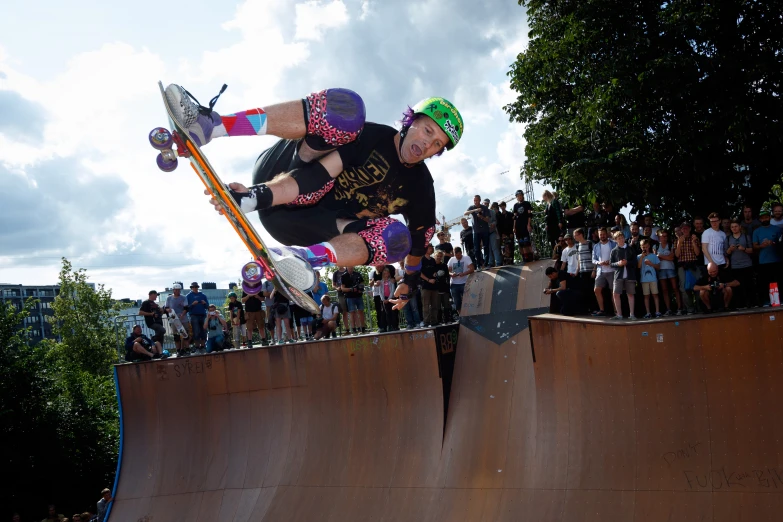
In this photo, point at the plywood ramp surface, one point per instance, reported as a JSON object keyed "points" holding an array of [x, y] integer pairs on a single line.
{"points": [[548, 419]]}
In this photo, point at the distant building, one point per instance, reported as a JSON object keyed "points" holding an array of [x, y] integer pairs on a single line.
{"points": [[41, 317]]}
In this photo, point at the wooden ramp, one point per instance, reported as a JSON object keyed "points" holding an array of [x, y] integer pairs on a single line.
{"points": [[547, 419]]}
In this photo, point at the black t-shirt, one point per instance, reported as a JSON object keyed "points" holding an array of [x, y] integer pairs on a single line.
{"points": [[427, 271], [234, 308], [505, 223], [479, 224], [442, 278], [337, 279], [466, 238], [151, 306], [253, 304], [522, 212], [279, 298], [712, 282], [354, 281], [562, 275], [375, 183]]}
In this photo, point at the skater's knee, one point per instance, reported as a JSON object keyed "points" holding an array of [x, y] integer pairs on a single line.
{"points": [[334, 117], [387, 240]]}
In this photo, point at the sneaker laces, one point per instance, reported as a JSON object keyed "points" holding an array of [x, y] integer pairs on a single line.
{"points": [[206, 111]]}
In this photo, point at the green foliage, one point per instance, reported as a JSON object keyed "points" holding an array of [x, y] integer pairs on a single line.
{"points": [[671, 107], [59, 427]]}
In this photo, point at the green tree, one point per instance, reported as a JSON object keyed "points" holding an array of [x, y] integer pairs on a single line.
{"points": [[671, 107]]}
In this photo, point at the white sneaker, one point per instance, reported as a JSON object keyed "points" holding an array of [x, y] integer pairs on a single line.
{"points": [[199, 121], [293, 267]]}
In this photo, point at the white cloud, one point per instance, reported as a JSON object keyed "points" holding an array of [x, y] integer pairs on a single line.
{"points": [[314, 17]]}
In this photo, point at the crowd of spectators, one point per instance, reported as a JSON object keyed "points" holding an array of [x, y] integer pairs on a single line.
{"points": [[89, 515], [730, 264]]}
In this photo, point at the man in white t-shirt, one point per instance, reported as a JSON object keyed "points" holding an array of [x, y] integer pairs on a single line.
{"points": [[330, 313], [460, 267], [570, 256], [712, 241]]}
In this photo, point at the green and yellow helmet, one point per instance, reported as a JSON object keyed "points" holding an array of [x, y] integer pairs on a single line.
{"points": [[445, 114]]}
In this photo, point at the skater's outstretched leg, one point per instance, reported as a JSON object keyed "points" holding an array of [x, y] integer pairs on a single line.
{"points": [[326, 119]]}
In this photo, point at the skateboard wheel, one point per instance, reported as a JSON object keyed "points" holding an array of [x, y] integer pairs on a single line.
{"points": [[160, 138], [164, 164], [251, 289], [252, 273]]}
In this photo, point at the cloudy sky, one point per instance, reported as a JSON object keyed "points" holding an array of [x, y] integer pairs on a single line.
{"points": [[78, 96]]}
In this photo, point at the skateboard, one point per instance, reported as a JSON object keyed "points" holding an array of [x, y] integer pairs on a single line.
{"points": [[176, 325], [177, 143]]}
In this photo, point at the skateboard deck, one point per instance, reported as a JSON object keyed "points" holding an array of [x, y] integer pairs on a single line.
{"points": [[176, 325], [186, 147]]}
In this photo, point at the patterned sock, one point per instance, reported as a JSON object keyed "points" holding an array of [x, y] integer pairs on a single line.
{"points": [[321, 255], [246, 123]]}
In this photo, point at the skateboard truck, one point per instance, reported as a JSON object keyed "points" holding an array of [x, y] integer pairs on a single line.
{"points": [[163, 140], [252, 276]]}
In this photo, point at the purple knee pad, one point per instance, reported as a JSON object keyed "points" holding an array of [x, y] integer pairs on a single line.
{"points": [[387, 240], [334, 117]]}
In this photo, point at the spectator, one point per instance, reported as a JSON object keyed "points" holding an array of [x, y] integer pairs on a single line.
{"points": [[563, 286], [16, 517], [648, 233], [715, 291], [352, 285], [725, 225], [494, 235], [330, 315], [625, 276], [319, 288], [87, 517], [667, 275], [738, 248], [687, 252], [557, 252], [766, 239], [698, 229], [52, 516], [466, 236], [444, 245], [139, 347], [442, 289], [777, 215], [569, 259], [481, 218], [635, 243], [387, 288], [281, 312], [749, 223], [602, 252], [337, 278], [575, 218], [553, 217], [586, 269], [622, 225], [505, 225], [177, 304], [595, 220], [460, 267], [269, 303], [254, 318], [648, 265], [429, 292], [236, 313], [609, 214], [77, 517], [305, 319], [653, 234], [522, 227], [376, 276], [214, 325], [153, 317], [412, 310], [712, 242], [197, 309]]}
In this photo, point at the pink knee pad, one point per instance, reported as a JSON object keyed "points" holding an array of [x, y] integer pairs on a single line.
{"points": [[336, 116], [387, 240], [303, 200]]}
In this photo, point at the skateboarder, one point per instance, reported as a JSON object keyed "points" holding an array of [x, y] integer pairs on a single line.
{"points": [[333, 180]]}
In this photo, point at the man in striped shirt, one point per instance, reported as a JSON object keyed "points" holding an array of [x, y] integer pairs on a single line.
{"points": [[586, 272]]}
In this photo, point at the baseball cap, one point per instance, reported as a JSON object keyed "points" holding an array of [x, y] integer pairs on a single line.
{"points": [[194, 284], [153, 292], [764, 212], [177, 286], [135, 326], [518, 192]]}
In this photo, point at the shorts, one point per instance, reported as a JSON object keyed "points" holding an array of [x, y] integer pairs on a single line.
{"points": [[667, 273], [523, 238], [279, 314], [318, 224], [341, 301], [650, 288], [304, 321], [627, 285], [355, 304], [604, 280]]}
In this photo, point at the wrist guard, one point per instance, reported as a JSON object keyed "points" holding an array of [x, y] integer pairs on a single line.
{"points": [[412, 280], [259, 197]]}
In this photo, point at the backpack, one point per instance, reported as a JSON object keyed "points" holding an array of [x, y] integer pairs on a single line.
{"points": [[335, 313]]}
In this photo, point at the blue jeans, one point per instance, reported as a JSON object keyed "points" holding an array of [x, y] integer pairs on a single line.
{"points": [[214, 343], [197, 322], [457, 292], [412, 312], [495, 258], [480, 238]]}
